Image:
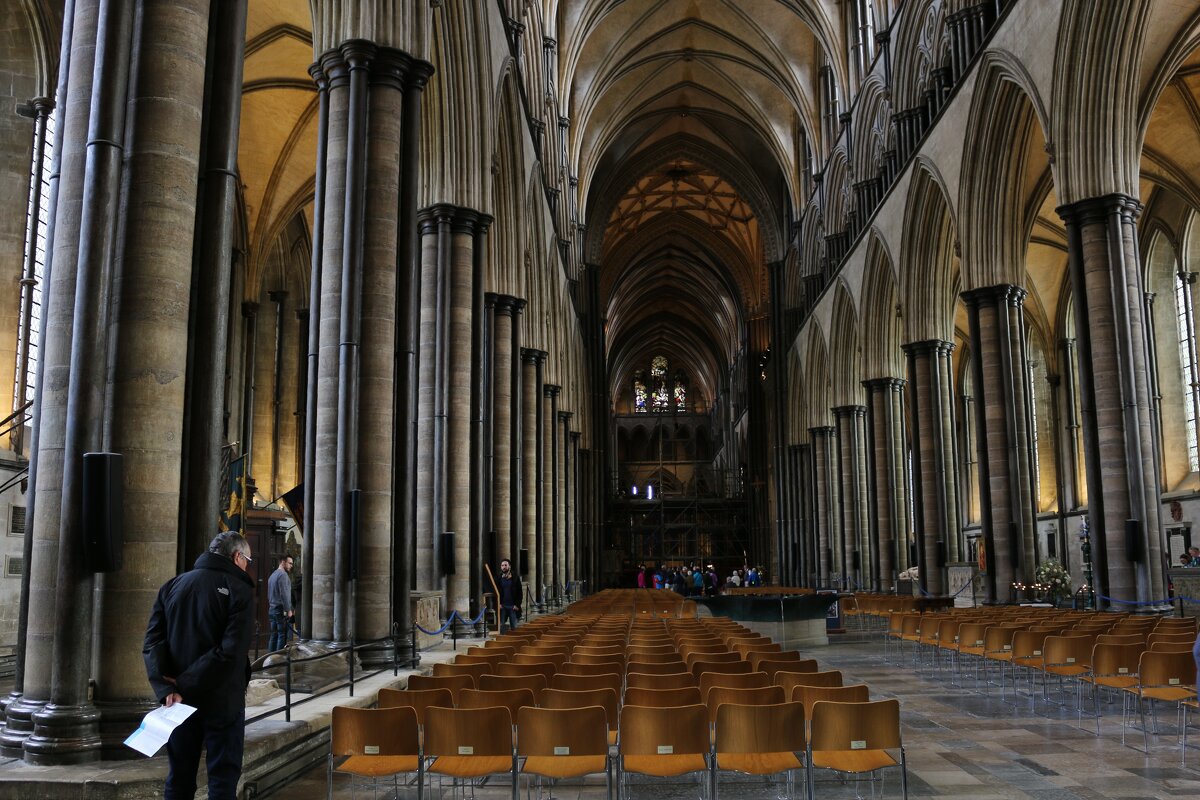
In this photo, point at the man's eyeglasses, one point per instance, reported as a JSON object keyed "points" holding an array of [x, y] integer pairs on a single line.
{"points": [[248, 558]]}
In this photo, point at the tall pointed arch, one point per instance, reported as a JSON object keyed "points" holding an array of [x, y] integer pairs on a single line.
{"points": [[928, 261]]}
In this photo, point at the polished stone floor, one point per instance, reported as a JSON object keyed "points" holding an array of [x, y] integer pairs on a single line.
{"points": [[960, 743]]}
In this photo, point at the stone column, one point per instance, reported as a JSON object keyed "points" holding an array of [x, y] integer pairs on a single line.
{"points": [[204, 421], [576, 541], [1115, 397], [73, 97], [531, 470], [828, 538], [931, 410], [503, 425], [1003, 437], [885, 433], [562, 556], [479, 377], [1069, 456], [852, 487], [550, 470]]}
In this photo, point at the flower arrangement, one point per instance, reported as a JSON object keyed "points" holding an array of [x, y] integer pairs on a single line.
{"points": [[1054, 580]]}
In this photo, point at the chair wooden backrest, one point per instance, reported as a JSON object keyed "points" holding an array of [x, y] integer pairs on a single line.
{"points": [[804, 667], [597, 658], [568, 732], [771, 667], [660, 698], [998, 639], [611, 650], [726, 656], [646, 680], [583, 683], [747, 680], [572, 668], [512, 699], [455, 683], [642, 657], [1028, 646], [765, 655], [516, 670], [851, 727], [970, 636], [474, 670], [1171, 647], [1186, 637], [604, 698], [656, 667], [651, 649], [757, 696], [809, 695], [775, 728], [649, 731], [1068, 654], [1115, 660], [468, 731], [1122, 638], [698, 668], [745, 648], [788, 680], [553, 659], [473, 658], [490, 648], [416, 699], [374, 731], [534, 682], [1159, 669]]}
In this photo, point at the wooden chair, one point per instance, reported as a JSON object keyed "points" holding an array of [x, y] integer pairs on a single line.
{"points": [[584, 683], [606, 698], [1114, 666], [698, 668], [757, 696], [725, 656], [771, 667], [855, 738], [454, 683], [789, 680], [1067, 657], [651, 649], [662, 698], [571, 668], [467, 743], [512, 699], [767, 655], [479, 658], [748, 680], [517, 670], [643, 657], [538, 659], [663, 742], [1169, 677], [374, 743], [559, 743], [656, 667], [534, 682], [645, 680], [759, 740], [599, 650], [588, 658], [808, 696], [473, 670], [416, 699]]}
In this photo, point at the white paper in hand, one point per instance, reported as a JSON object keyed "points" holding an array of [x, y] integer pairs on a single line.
{"points": [[156, 728]]}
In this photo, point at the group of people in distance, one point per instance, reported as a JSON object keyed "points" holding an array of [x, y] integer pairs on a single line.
{"points": [[1191, 558], [693, 580]]}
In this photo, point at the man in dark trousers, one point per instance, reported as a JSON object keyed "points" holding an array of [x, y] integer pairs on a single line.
{"points": [[196, 651], [510, 595], [279, 604]]}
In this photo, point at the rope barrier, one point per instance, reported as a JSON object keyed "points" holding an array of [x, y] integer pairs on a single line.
{"points": [[1164, 602], [450, 621]]}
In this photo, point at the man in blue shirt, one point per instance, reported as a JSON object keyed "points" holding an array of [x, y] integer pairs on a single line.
{"points": [[279, 596]]}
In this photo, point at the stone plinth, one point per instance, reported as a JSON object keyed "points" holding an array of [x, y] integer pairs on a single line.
{"points": [[1186, 581], [959, 575], [427, 613]]}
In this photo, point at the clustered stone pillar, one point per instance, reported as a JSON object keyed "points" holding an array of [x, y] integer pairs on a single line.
{"points": [[452, 236], [935, 484], [548, 553], [824, 464], [131, 100], [531, 471], [857, 557], [885, 434], [1004, 437], [505, 404], [1115, 396], [359, 318], [576, 543], [562, 555]]}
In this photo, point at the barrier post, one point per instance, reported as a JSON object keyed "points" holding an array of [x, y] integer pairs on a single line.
{"points": [[352, 666], [287, 686]]}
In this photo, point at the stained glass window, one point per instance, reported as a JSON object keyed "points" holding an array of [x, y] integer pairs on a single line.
{"points": [[658, 382], [1183, 314], [680, 395], [639, 396]]}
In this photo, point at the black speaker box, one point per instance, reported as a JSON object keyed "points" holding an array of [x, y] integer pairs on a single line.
{"points": [[446, 552], [855, 560], [1133, 540], [524, 562], [913, 559], [103, 511]]}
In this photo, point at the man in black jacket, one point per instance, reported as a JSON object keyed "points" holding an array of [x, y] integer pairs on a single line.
{"points": [[196, 651], [510, 596]]}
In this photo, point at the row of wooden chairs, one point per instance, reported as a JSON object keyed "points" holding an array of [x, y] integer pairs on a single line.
{"points": [[464, 744]]}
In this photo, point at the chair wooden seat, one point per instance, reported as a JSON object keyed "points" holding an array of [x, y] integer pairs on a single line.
{"points": [[664, 765], [378, 766], [856, 737], [470, 766], [563, 742], [854, 760], [376, 742], [758, 763]]}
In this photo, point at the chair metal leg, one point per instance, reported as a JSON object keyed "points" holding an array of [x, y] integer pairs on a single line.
{"points": [[903, 773], [329, 778]]}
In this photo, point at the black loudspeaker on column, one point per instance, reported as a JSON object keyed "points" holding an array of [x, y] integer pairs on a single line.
{"points": [[446, 552], [1133, 540], [941, 553], [855, 560], [354, 513], [103, 511], [913, 560], [524, 563]]}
